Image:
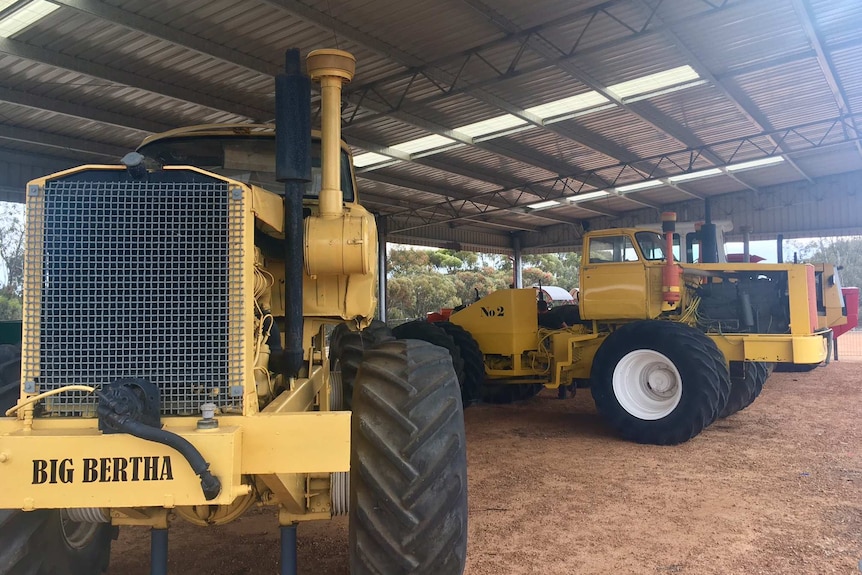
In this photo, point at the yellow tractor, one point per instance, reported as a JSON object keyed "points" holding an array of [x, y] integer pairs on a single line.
{"points": [[176, 355], [666, 348]]}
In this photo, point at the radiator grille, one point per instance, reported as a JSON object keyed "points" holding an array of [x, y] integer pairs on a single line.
{"points": [[137, 279]]}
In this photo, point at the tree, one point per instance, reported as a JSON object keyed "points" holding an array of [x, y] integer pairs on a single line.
{"points": [[422, 281], [485, 281], [411, 297], [408, 261], [12, 258], [535, 276], [12, 249], [563, 269], [400, 298], [569, 275], [10, 307], [445, 260]]}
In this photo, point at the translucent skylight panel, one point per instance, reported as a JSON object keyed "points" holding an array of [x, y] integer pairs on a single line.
{"points": [[755, 164], [492, 126], [27, 15], [545, 204], [369, 158], [640, 186], [695, 175], [424, 144], [655, 82], [598, 194], [568, 105]]}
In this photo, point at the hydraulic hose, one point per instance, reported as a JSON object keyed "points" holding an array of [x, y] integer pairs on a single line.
{"points": [[210, 484]]}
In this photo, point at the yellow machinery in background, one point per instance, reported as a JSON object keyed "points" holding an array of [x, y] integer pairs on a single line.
{"points": [[177, 310], [665, 347]]}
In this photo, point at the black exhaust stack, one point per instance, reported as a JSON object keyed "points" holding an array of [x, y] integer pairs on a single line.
{"points": [[708, 237], [293, 167]]}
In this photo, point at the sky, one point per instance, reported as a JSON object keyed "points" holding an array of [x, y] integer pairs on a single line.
{"points": [[764, 248]]}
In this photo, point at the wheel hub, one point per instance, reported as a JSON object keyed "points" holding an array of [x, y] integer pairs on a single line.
{"points": [[647, 384], [660, 380], [77, 535]]}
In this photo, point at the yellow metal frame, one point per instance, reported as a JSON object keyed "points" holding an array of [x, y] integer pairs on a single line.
{"points": [[282, 454], [67, 462], [87, 464]]}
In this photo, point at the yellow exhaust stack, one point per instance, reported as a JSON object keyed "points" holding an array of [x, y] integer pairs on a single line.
{"points": [[340, 241], [331, 68]]}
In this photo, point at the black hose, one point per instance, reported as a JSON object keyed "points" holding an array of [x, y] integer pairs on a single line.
{"points": [[210, 484]]}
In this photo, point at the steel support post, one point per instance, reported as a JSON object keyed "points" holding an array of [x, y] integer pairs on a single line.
{"points": [[158, 551], [288, 549]]}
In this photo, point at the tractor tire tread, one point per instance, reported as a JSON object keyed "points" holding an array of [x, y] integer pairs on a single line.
{"points": [[432, 333], [706, 381], [347, 348], [744, 390], [473, 358], [32, 543], [408, 464]]}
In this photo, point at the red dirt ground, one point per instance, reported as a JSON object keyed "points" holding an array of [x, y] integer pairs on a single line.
{"points": [[775, 489]]}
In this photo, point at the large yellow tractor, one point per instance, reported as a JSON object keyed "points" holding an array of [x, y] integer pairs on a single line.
{"points": [[666, 348], [176, 359]]}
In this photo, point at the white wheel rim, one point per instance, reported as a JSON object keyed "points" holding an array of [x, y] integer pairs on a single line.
{"points": [[647, 384], [77, 535]]}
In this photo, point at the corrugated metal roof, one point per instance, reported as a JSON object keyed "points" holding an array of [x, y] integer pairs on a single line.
{"points": [[94, 77]]}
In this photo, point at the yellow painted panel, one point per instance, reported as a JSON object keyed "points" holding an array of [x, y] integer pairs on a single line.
{"points": [[296, 443], [614, 291], [772, 348], [89, 469], [83, 468], [504, 322]]}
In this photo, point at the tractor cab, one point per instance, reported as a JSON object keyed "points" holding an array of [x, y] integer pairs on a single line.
{"points": [[621, 274]]}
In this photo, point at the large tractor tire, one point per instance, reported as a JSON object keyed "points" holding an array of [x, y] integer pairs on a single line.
{"points": [[45, 542], [473, 358], [433, 333], [408, 466], [746, 387], [659, 382], [346, 350], [562, 316]]}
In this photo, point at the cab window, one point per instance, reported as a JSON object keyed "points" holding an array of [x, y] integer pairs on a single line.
{"points": [[651, 244], [692, 247], [612, 249]]}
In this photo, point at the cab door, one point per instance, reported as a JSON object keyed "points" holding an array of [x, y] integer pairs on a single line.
{"points": [[613, 279]]}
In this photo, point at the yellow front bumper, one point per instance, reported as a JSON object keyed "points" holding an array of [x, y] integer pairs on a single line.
{"points": [[64, 463], [802, 349]]}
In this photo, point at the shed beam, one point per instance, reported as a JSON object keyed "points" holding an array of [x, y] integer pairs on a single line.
{"points": [[175, 36], [314, 16], [551, 53], [124, 78], [824, 59], [735, 96], [440, 191], [80, 111], [202, 46], [47, 140]]}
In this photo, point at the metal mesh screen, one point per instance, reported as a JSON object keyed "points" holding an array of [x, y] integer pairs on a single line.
{"points": [[143, 280]]}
